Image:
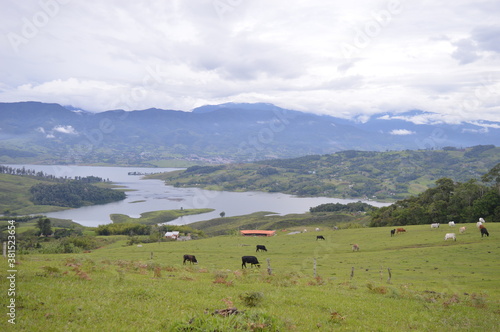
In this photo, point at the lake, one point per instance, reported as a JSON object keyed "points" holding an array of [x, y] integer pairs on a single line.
{"points": [[154, 195]]}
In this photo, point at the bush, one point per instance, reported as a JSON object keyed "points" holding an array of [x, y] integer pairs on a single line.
{"points": [[252, 299]]}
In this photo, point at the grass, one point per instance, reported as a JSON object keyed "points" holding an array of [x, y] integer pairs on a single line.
{"points": [[435, 284]]}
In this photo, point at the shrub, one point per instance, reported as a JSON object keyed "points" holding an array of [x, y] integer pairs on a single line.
{"points": [[252, 299]]}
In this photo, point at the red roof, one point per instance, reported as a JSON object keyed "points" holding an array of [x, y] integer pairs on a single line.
{"points": [[257, 233]]}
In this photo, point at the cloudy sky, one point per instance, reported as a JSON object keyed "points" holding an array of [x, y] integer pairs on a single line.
{"points": [[343, 58]]}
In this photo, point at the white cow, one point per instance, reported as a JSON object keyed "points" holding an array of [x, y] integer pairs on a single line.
{"points": [[435, 225], [451, 224], [482, 220], [450, 236], [478, 224], [462, 229]]}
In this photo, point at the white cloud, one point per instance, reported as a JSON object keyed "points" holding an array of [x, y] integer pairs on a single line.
{"points": [[65, 130], [402, 132], [100, 55]]}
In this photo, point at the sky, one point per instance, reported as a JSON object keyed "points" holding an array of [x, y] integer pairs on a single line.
{"points": [[349, 59]]}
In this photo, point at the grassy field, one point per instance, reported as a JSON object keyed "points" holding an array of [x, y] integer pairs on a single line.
{"points": [[435, 285]]}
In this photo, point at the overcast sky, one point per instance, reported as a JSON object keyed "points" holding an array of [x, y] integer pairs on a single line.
{"points": [[342, 58]]}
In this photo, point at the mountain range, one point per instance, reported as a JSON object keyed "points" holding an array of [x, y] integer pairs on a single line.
{"points": [[34, 132]]}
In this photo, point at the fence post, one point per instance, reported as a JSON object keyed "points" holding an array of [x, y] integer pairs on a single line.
{"points": [[269, 270], [352, 272], [389, 270], [314, 267]]}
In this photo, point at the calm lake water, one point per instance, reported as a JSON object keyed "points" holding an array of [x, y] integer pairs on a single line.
{"points": [[154, 195]]}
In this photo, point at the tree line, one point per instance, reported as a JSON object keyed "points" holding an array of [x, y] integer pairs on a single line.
{"points": [[338, 207], [44, 176], [73, 194], [462, 202]]}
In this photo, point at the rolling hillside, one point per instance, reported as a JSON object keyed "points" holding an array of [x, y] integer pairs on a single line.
{"points": [[351, 174]]}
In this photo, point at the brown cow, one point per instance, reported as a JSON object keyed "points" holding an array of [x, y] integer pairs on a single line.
{"points": [[400, 230]]}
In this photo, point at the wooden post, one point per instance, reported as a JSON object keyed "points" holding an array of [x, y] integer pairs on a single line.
{"points": [[314, 267], [4, 249], [269, 270], [352, 272], [389, 270], [151, 255], [381, 274]]}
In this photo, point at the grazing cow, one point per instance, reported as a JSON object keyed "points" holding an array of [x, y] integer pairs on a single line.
{"points": [[451, 224], [190, 258], [435, 225], [484, 232], [261, 248], [317, 229], [400, 230], [462, 229], [393, 231], [252, 260], [320, 237], [450, 236], [355, 247]]}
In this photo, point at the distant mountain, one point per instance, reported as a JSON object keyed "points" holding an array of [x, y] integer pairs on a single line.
{"points": [[50, 133]]}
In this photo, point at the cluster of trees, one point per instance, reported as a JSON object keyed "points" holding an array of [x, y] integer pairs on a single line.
{"points": [[133, 229], [337, 207], [448, 201], [123, 229], [73, 194]]}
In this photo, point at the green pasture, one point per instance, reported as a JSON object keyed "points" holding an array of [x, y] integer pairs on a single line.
{"points": [[314, 285]]}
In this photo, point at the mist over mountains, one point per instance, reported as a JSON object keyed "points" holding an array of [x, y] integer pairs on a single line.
{"points": [[50, 133]]}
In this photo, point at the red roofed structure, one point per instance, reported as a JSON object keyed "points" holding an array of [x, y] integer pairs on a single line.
{"points": [[257, 233]]}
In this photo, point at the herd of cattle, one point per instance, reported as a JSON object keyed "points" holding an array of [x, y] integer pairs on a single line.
{"points": [[450, 236], [252, 260]]}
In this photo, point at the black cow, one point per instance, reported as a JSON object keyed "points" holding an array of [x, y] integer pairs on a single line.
{"points": [[252, 260], [393, 231], [260, 247], [190, 258], [484, 232], [320, 237]]}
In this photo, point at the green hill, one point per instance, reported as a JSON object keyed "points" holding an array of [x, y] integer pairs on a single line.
{"points": [[27, 194], [355, 174]]}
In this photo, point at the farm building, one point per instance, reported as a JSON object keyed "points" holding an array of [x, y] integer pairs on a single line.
{"points": [[172, 235], [257, 233]]}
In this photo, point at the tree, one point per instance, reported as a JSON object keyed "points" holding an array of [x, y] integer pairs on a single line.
{"points": [[45, 227], [493, 176]]}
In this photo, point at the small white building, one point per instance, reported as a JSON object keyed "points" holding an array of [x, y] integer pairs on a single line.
{"points": [[172, 235]]}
